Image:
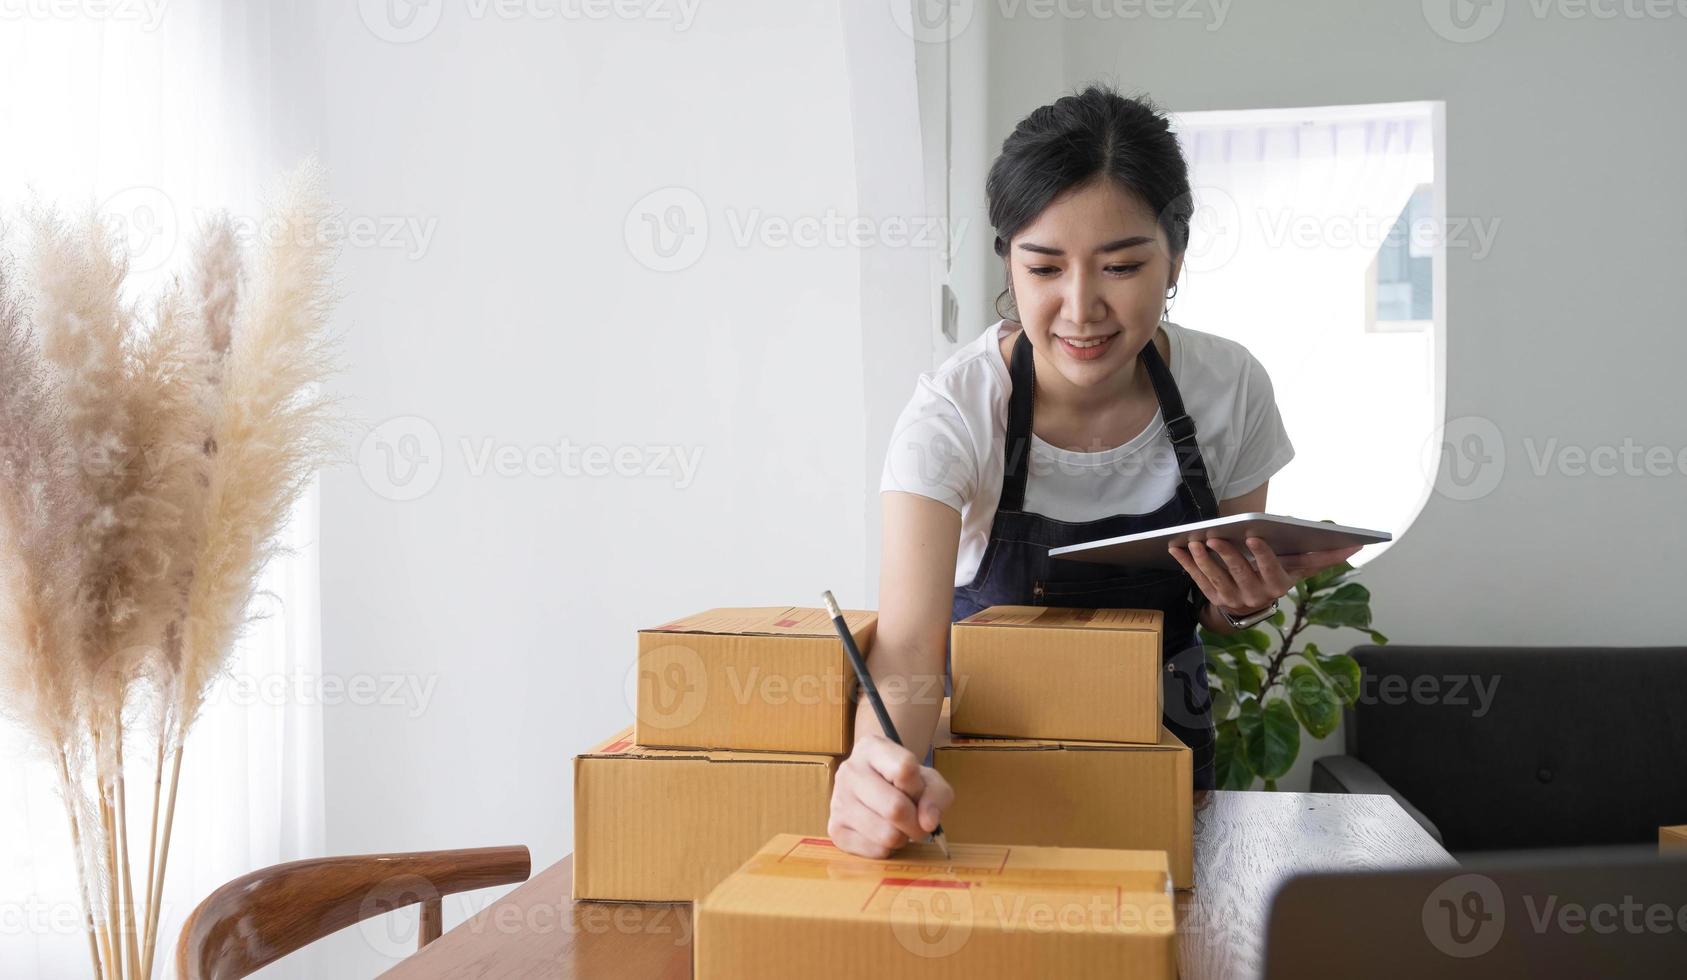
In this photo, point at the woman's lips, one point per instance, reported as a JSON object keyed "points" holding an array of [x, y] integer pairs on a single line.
{"points": [[1088, 353]]}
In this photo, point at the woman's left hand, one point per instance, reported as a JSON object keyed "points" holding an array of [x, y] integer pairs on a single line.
{"points": [[1223, 573]]}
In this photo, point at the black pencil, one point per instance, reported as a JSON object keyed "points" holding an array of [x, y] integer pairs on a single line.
{"points": [[872, 691]]}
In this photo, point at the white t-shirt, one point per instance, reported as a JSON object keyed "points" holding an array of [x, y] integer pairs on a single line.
{"points": [[949, 441]]}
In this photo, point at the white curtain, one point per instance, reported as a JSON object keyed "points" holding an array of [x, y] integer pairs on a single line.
{"points": [[1290, 210], [155, 111]]}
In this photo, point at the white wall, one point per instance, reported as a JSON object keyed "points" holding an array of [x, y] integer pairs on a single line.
{"points": [[527, 320], [900, 275]]}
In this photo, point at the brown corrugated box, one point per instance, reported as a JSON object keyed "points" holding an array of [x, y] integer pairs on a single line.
{"points": [[1068, 793], [1054, 672], [803, 908], [666, 825], [1672, 839], [770, 678]]}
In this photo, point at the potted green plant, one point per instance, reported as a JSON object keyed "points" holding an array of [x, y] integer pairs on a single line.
{"points": [[1265, 691]]}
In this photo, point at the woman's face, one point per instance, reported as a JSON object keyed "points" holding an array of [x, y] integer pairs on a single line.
{"points": [[1093, 266]]}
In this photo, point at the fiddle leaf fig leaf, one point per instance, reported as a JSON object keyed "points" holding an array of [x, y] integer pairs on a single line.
{"points": [[1270, 737], [1327, 578], [1341, 669], [1230, 764], [1348, 605], [1315, 703]]}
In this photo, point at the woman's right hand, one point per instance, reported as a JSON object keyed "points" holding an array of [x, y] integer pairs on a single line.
{"points": [[882, 798]]}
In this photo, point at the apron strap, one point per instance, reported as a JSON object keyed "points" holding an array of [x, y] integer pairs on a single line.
{"points": [[1193, 487], [1023, 374]]}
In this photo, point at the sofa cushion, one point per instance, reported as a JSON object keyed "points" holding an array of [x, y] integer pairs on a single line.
{"points": [[1528, 746]]}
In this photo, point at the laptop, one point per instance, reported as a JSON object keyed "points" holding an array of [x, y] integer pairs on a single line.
{"points": [[1594, 912]]}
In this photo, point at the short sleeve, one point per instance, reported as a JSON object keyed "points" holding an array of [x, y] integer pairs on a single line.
{"points": [[931, 450], [1264, 446]]}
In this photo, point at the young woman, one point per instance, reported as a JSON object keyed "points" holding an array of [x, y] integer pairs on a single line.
{"points": [[1074, 417]]}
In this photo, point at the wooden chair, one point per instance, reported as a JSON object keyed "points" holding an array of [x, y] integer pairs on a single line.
{"points": [[258, 918]]}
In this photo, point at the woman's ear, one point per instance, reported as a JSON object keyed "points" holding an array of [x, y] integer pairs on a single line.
{"points": [[1177, 267]]}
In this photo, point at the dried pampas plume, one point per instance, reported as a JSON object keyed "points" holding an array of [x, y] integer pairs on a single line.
{"points": [[216, 270], [273, 428], [149, 457]]}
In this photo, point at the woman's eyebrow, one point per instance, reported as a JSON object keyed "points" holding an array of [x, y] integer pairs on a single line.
{"points": [[1122, 243]]}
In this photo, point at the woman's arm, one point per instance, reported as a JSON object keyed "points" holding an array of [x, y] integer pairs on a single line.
{"points": [[916, 603], [882, 796]]}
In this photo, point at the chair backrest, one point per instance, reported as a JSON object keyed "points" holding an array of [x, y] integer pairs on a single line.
{"points": [[260, 917], [1528, 747]]}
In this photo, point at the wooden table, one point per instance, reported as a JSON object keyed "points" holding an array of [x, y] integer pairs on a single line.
{"points": [[1246, 843]]}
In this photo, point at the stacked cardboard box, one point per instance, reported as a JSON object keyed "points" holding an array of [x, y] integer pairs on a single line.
{"points": [[803, 908], [741, 717], [1054, 738]]}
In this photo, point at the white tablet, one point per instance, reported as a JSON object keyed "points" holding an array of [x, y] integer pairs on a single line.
{"points": [[1286, 535]]}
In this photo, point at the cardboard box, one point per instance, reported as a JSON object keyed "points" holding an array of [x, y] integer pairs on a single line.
{"points": [[1065, 793], [666, 825], [772, 678], [1670, 839], [1052, 672], [803, 908]]}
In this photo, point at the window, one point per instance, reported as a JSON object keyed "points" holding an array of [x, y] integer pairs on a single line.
{"points": [[1314, 245], [1401, 277]]}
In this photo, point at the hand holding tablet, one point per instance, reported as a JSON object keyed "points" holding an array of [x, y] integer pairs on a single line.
{"points": [[1238, 586]]}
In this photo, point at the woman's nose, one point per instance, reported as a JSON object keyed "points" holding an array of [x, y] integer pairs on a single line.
{"points": [[1083, 302]]}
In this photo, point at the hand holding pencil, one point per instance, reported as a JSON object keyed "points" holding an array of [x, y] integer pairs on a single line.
{"points": [[882, 797]]}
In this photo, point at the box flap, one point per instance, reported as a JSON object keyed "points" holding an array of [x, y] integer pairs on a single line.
{"points": [[766, 621], [621, 746], [1061, 617]]}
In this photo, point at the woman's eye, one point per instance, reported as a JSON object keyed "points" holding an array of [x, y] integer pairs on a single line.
{"points": [[1044, 271]]}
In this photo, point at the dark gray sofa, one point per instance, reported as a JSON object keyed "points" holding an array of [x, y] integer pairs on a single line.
{"points": [[1524, 747]]}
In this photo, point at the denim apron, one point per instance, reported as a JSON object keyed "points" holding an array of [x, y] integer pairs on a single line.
{"points": [[1017, 571]]}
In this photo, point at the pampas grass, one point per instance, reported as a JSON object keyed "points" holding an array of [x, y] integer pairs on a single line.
{"points": [[148, 459]]}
